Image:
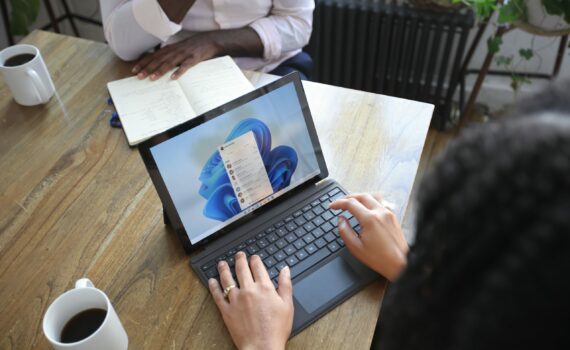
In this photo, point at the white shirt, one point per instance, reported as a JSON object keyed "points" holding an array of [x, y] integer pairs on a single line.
{"points": [[133, 27]]}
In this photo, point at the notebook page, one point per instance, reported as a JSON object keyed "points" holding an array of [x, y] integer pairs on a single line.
{"points": [[147, 107], [214, 82]]}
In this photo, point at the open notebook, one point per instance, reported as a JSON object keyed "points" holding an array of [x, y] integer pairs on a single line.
{"points": [[147, 107]]}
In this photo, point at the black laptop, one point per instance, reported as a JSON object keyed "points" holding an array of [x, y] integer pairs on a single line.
{"points": [[250, 176]]}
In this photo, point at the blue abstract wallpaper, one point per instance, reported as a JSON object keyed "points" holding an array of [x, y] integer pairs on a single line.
{"points": [[280, 164]]}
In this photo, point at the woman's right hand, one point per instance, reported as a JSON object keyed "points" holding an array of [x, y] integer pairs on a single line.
{"points": [[381, 244]]}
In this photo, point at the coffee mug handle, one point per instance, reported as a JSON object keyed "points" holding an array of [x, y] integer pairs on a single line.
{"points": [[84, 283], [39, 86]]}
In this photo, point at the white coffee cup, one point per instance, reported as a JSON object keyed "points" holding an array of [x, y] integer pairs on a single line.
{"points": [[29, 82], [110, 335]]}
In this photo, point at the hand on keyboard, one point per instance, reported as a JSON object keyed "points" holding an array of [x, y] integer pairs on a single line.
{"points": [[381, 244], [257, 315]]}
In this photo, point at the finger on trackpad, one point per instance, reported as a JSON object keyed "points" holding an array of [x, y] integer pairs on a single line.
{"points": [[323, 285]]}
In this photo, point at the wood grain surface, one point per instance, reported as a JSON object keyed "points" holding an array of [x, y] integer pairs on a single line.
{"points": [[77, 201]]}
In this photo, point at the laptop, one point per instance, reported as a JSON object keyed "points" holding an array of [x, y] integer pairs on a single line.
{"points": [[250, 176]]}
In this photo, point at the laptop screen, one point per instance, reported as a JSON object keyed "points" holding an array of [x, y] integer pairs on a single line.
{"points": [[231, 165]]}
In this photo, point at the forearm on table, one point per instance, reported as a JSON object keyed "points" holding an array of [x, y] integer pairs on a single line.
{"points": [[242, 42]]}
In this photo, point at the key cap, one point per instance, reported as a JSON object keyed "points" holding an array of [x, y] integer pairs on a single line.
{"points": [[309, 227], [262, 243], [324, 197], [301, 255], [262, 254], [290, 249], [231, 252], [291, 238], [280, 255], [327, 226], [273, 272], [260, 235], [269, 262], [272, 237], [318, 221], [311, 248], [231, 261], [333, 247], [320, 243], [300, 232], [250, 241], [353, 222], [291, 226], [280, 266], [318, 232], [288, 219], [279, 224], [340, 242], [299, 244], [333, 191], [251, 249], [272, 249], [281, 232], [300, 221], [308, 238], [241, 246], [306, 208], [281, 243], [291, 261], [315, 203], [327, 215], [318, 210], [212, 272], [329, 237], [309, 216], [297, 213]]}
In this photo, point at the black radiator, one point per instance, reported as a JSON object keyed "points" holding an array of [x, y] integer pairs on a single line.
{"points": [[391, 49]]}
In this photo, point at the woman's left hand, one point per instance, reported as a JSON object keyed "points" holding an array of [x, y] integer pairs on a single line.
{"points": [[186, 53], [257, 315]]}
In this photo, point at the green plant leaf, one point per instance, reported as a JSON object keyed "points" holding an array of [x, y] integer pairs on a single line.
{"points": [[518, 80], [494, 44], [504, 60], [513, 11], [24, 13], [527, 54]]}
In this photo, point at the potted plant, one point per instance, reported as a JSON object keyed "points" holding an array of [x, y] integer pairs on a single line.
{"points": [[23, 14]]}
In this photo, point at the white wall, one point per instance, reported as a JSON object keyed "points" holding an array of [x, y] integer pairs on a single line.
{"points": [[496, 91]]}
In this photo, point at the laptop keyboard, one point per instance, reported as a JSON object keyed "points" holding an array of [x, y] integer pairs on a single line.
{"points": [[299, 239]]}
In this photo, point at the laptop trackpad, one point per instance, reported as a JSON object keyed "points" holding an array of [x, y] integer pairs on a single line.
{"points": [[321, 286]]}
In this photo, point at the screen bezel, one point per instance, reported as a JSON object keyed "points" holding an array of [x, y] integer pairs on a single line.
{"points": [[170, 211]]}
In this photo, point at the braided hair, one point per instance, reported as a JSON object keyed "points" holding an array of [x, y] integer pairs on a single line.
{"points": [[490, 268]]}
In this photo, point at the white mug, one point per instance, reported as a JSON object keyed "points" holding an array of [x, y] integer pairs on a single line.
{"points": [[110, 335], [29, 82]]}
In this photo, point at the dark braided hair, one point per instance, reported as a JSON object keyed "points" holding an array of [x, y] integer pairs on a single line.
{"points": [[490, 268]]}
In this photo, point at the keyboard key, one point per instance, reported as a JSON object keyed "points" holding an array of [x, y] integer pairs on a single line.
{"points": [[300, 232], [281, 243], [309, 216], [353, 222], [241, 246], [333, 247], [324, 197], [269, 262], [306, 208], [347, 214], [269, 230], [272, 249], [335, 232], [220, 258], [320, 243], [327, 215], [299, 244], [291, 261], [309, 226], [357, 229], [250, 241], [273, 272], [318, 221], [290, 249], [288, 219], [297, 213], [207, 266], [340, 242], [272, 237], [329, 237], [280, 266], [333, 191], [231, 261], [315, 203], [327, 226], [262, 243], [311, 248], [262, 254], [318, 210], [309, 262], [301, 255], [231, 252], [308, 238], [300, 221], [318, 232], [280, 255], [291, 238], [252, 249], [291, 226], [260, 235], [212, 272], [280, 224], [281, 232]]}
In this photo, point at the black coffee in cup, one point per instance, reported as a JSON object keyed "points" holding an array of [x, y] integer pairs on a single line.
{"points": [[18, 60], [82, 325]]}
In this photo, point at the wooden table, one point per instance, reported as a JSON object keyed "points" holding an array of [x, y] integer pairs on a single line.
{"points": [[77, 201]]}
